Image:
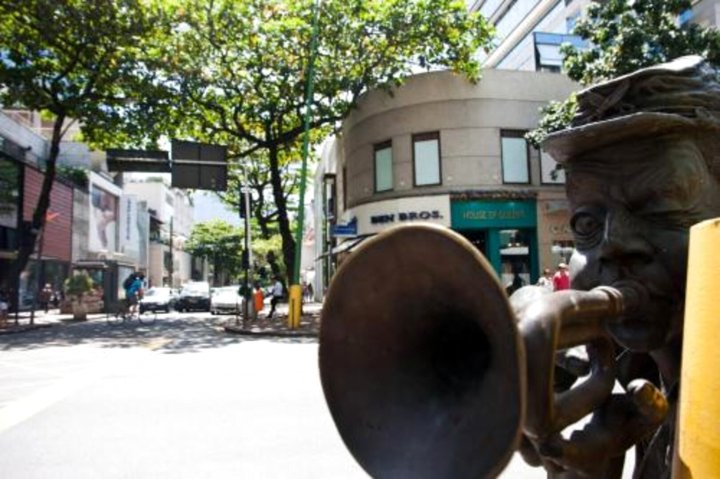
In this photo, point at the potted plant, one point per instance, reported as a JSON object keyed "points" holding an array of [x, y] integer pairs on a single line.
{"points": [[75, 287]]}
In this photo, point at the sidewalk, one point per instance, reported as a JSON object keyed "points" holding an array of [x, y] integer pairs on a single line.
{"points": [[42, 320], [278, 325]]}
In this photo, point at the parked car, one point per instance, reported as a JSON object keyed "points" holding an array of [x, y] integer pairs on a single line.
{"points": [[194, 296], [226, 300], [158, 299]]}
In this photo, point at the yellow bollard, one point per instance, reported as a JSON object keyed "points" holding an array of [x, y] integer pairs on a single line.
{"points": [[698, 435], [295, 306]]}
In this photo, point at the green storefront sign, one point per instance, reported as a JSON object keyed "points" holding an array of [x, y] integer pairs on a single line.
{"points": [[481, 214], [494, 216]]}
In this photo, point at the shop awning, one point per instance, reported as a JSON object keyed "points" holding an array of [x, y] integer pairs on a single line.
{"points": [[345, 246]]}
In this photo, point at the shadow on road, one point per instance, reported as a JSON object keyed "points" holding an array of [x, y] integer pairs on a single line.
{"points": [[171, 335]]}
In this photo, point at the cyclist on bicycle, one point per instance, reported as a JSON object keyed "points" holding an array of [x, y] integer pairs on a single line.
{"points": [[133, 292]]}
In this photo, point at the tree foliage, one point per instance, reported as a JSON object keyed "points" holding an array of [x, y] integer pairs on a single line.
{"points": [[220, 243], [556, 116], [625, 36], [237, 71], [77, 60]]}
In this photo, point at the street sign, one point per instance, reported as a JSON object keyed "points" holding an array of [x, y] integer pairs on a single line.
{"points": [[198, 165], [348, 230], [142, 161]]}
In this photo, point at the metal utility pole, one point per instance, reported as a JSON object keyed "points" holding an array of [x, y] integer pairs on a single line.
{"points": [[296, 289], [171, 266], [246, 257]]}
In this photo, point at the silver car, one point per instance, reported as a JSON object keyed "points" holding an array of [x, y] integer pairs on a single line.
{"points": [[226, 300]]}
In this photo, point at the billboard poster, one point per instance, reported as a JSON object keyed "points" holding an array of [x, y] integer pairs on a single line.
{"points": [[129, 235], [143, 226], [103, 220]]}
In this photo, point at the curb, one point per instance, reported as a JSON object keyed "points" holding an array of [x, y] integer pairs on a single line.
{"points": [[25, 328], [269, 333]]}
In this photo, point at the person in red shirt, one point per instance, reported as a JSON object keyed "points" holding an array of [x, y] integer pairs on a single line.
{"points": [[561, 279]]}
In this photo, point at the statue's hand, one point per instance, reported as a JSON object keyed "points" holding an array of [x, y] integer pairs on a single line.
{"points": [[616, 426]]}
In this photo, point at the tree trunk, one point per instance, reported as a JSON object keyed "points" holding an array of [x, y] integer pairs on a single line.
{"points": [[288, 243], [29, 236]]}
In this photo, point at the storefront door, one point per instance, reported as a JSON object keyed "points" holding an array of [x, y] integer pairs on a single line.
{"points": [[505, 232]]}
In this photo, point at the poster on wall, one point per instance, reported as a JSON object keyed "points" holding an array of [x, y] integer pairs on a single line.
{"points": [[103, 220], [129, 235]]}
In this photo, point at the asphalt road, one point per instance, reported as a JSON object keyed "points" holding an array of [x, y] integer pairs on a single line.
{"points": [[178, 399]]}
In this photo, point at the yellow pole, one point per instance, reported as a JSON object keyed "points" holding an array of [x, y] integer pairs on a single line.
{"points": [[698, 437], [295, 306]]}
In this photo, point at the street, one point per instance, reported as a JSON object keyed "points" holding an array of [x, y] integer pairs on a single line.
{"points": [[180, 398]]}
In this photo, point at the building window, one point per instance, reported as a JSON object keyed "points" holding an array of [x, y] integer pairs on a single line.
{"points": [[549, 172], [548, 57], [515, 160], [383, 167], [426, 158]]}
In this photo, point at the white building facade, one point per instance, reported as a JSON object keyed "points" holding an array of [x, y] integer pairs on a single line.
{"points": [[171, 220]]}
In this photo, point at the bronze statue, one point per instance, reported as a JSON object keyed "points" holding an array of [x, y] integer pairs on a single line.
{"points": [[643, 165], [427, 377]]}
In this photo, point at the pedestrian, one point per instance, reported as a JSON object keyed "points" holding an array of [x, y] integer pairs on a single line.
{"points": [[561, 279], [277, 294], [546, 280], [45, 297], [259, 299]]}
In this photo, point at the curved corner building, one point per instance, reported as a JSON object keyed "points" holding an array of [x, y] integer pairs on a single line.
{"points": [[444, 150]]}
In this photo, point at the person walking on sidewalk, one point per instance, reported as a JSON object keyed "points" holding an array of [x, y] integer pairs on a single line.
{"points": [[45, 296], [277, 294]]}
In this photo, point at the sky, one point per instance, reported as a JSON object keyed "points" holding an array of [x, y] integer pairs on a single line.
{"points": [[208, 206]]}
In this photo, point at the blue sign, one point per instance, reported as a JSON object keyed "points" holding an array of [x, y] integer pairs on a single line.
{"points": [[345, 230]]}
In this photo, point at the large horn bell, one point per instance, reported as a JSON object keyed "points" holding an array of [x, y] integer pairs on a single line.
{"points": [[421, 362]]}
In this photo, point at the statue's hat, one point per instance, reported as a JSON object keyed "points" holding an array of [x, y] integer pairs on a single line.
{"points": [[677, 96]]}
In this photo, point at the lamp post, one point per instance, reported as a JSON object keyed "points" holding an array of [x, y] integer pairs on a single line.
{"points": [[246, 259]]}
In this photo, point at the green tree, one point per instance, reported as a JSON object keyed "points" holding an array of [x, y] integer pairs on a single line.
{"points": [[220, 243], [238, 71], [76, 60], [624, 36]]}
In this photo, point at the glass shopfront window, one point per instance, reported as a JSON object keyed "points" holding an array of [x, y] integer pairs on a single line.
{"points": [[505, 232], [9, 203], [515, 258]]}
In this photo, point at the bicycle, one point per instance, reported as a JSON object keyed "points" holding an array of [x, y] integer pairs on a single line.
{"points": [[121, 314]]}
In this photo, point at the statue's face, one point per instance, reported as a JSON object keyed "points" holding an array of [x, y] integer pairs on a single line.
{"points": [[632, 206]]}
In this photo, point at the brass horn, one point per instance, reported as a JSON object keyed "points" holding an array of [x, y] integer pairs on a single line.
{"points": [[423, 362]]}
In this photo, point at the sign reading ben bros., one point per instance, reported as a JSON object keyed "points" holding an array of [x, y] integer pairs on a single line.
{"points": [[460, 215], [378, 216]]}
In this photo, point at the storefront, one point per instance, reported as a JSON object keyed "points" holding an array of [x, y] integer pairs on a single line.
{"points": [[375, 217], [10, 205], [505, 232], [54, 246]]}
